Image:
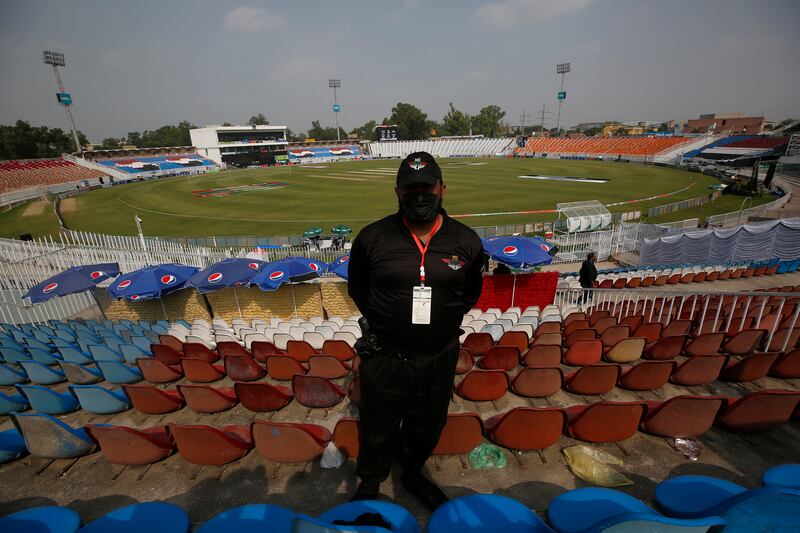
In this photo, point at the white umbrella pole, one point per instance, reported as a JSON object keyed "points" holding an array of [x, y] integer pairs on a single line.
{"points": [[294, 302], [513, 289], [236, 297], [161, 299]]}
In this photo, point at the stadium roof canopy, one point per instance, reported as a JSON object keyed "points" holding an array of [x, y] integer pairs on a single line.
{"points": [[588, 215]]}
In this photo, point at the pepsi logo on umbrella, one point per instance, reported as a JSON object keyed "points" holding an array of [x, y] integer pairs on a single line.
{"points": [[50, 288], [254, 266], [344, 259], [510, 251], [313, 266], [96, 274], [134, 297], [276, 275], [215, 277], [168, 279], [124, 284]]}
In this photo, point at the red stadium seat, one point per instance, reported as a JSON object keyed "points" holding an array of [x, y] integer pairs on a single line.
{"points": [[346, 436], [527, 428], [300, 350], [327, 366], [283, 367], [646, 375], [226, 348], [749, 368], [461, 434], [208, 399], [584, 353], [699, 370], [200, 371], [284, 442], [205, 445], [152, 400], [759, 411], [500, 357], [171, 341], [666, 348], [744, 342], [196, 350], [543, 356], [483, 385], [243, 368], [166, 354], [263, 349], [682, 416], [130, 446], [339, 349], [705, 344], [517, 339], [537, 382], [313, 391], [787, 366], [155, 371], [262, 397], [592, 379], [465, 362], [605, 421], [478, 343]]}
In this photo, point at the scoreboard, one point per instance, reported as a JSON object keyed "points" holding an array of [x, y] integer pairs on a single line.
{"points": [[386, 133]]}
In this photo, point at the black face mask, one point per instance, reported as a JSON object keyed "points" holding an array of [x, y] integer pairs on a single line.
{"points": [[420, 207]]}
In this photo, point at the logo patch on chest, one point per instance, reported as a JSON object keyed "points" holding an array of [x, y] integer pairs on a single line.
{"points": [[454, 263]]}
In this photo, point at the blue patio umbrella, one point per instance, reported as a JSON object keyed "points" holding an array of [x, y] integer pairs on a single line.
{"points": [[290, 270], [151, 282], [226, 273], [520, 252], [75, 279], [339, 266]]}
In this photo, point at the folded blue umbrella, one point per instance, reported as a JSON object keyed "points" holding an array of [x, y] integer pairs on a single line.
{"points": [[339, 266], [520, 252], [226, 273], [72, 280], [151, 282], [287, 270]]}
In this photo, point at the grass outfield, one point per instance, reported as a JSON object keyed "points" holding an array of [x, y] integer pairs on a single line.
{"points": [[355, 193]]}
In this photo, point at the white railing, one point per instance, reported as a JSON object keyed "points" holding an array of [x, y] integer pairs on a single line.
{"points": [[709, 311]]}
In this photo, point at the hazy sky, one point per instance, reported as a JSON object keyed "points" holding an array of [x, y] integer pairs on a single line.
{"points": [[135, 65]]}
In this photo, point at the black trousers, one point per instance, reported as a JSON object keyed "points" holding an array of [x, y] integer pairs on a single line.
{"points": [[403, 410]]}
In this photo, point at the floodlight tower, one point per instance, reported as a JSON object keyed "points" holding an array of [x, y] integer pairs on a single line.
{"points": [[56, 59], [561, 68], [335, 84]]}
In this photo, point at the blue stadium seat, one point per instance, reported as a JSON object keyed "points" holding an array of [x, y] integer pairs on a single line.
{"points": [[42, 374], [787, 476], [44, 356], [151, 516], [12, 446], [44, 400], [50, 519], [400, 519], [100, 400], [132, 352], [14, 355], [79, 374], [72, 355], [11, 375], [46, 436], [254, 517], [118, 373], [484, 513], [105, 353], [12, 402]]}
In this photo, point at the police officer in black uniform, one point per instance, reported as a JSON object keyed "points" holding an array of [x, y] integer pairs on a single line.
{"points": [[413, 276]]}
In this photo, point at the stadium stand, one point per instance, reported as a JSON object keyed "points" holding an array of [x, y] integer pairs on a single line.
{"points": [[612, 146], [42, 172], [318, 154], [477, 147], [135, 165]]}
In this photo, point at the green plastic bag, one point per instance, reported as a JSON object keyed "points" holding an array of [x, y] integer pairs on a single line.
{"points": [[592, 466], [487, 456]]}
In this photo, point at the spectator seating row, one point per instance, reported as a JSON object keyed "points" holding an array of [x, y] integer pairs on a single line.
{"points": [[479, 147], [659, 276], [520, 429], [688, 503], [42, 172], [617, 145]]}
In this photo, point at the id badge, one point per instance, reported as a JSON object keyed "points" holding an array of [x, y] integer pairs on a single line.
{"points": [[421, 305]]}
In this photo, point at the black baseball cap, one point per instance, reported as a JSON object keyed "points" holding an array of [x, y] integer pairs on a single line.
{"points": [[419, 167]]}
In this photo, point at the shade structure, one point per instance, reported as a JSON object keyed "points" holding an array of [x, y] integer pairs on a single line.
{"points": [[226, 273], [73, 280], [519, 252], [151, 281], [290, 269], [341, 229], [315, 231], [339, 266]]}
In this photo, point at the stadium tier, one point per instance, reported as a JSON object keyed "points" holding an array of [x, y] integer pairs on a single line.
{"points": [[135, 165], [759, 142], [625, 146], [442, 147], [42, 172], [324, 153]]}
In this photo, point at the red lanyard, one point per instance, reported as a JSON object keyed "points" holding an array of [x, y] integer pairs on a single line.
{"points": [[423, 249]]}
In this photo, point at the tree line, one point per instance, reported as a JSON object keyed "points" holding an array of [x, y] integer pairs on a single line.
{"points": [[23, 141]]}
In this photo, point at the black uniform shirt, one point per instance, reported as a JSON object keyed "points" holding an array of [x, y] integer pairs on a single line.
{"points": [[384, 268], [587, 274]]}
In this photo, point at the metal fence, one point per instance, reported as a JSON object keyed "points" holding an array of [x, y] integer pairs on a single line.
{"points": [[684, 204], [777, 312]]}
